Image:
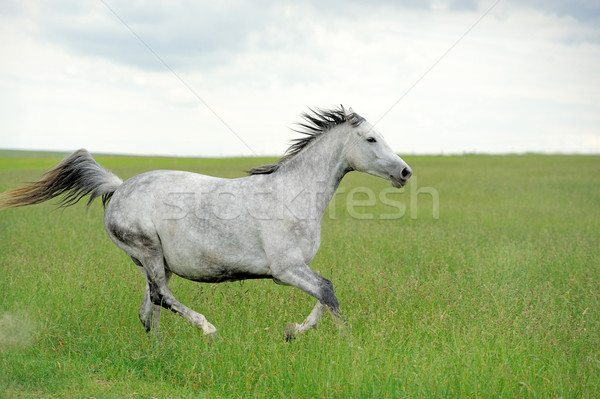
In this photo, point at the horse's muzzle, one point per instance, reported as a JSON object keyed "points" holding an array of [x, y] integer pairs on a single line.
{"points": [[401, 180]]}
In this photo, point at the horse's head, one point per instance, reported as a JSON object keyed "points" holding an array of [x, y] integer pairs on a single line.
{"points": [[368, 152]]}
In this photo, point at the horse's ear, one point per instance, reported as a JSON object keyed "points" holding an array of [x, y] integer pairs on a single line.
{"points": [[347, 113]]}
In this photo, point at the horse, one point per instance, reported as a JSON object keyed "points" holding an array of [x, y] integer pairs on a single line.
{"points": [[265, 225]]}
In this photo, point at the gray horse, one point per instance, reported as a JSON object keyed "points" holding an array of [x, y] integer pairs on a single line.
{"points": [[208, 229]]}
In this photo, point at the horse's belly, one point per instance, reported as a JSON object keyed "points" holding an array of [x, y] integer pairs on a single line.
{"points": [[211, 268], [214, 273], [210, 255]]}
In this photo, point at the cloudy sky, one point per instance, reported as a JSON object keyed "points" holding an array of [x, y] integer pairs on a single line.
{"points": [[227, 78]]}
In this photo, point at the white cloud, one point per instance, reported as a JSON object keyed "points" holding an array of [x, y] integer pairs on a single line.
{"points": [[74, 76]]}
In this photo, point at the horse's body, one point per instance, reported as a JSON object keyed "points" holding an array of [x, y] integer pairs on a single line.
{"points": [[207, 229]]}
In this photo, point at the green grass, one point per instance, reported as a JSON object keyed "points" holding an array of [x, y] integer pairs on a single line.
{"points": [[498, 297]]}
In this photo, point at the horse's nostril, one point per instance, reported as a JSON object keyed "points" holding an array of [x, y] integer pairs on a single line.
{"points": [[406, 172]]}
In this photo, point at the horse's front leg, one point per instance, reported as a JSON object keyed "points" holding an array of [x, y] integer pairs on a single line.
{"points": [[294, 329], [309, 281]]}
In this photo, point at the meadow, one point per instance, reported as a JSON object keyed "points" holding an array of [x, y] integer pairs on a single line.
{"points": [[480, 279]]}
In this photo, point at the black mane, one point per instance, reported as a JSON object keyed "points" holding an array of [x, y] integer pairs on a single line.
{"points": [[316, 122]]}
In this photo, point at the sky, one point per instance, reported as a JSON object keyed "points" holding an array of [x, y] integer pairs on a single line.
{"points": [[230, 78]]}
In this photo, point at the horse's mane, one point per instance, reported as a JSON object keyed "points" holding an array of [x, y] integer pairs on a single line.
{"points": [[316, 122]]}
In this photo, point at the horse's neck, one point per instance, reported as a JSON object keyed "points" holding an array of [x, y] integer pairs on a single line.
{"points": [[319, 169]]}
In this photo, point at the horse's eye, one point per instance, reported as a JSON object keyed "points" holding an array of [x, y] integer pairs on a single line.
{"points": [[371, 139]]}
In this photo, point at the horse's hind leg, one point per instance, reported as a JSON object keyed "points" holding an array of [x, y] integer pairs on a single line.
{"points": [[149, 312], [160, 294]]}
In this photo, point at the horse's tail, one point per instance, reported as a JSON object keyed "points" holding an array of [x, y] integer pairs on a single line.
{"points": [[75, 176]]}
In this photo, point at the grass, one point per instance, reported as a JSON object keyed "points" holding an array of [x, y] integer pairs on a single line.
{"points": [[499, 296]]}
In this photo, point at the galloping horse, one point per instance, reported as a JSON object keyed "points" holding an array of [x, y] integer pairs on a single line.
{"points": [[208, 229]]}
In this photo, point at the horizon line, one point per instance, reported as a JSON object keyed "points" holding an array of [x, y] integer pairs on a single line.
{"points": [[416, 154]]}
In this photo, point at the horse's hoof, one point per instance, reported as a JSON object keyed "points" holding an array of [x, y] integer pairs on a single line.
{"points": [[210, 333], [291, 331], [211, 337]]}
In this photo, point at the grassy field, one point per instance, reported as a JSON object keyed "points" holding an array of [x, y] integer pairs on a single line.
{"points": [[498, 295]]}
